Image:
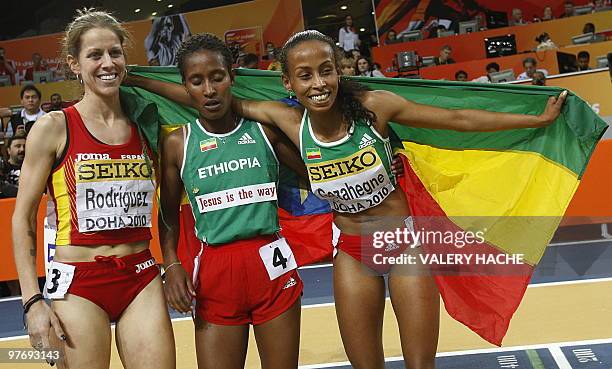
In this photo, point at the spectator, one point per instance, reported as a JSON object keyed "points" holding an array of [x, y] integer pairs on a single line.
{"points": [[588, 28], [30, 99], [548, 14], [270, 51], [56, 102], [38, 65], [154, 62], [600, 4], [355, 53], [251, 61], [517, 18], [545, 43], [347, 66], [583, 60], [7, 67], [347, 37], [275, 65], [11, 169], [391, 37], [609, 57], [530, 65], [539, 79], [377, 66], [490, 68], [445, 56], [364, 68], [568, 9], [461, 76]]}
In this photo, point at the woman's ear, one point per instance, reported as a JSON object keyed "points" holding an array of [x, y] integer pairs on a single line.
{"points": [[286, 82], [73, 64]]}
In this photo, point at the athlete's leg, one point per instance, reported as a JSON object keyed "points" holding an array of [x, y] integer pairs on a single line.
{"points": [[88, 335], [416, 304], [360, 305], [144, 331], [220, 346], [278, 340]]}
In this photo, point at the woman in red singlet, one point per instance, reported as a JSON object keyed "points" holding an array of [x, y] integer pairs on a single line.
{"points": [[94, 164]]}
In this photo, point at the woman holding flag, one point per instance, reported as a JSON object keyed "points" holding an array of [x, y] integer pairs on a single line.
{"points": [[341, 129], [341, 125]]}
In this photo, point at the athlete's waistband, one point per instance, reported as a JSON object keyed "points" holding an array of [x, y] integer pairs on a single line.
{"points": [[257, 241], [112, 261]]}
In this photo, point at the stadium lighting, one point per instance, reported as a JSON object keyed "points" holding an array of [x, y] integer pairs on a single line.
{"points": [[344, 7], [170, 5], [154, 13], [137, 10], [362, 29]]}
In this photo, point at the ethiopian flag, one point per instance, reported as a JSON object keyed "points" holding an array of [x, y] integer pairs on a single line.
{"points": [[511, 186]]}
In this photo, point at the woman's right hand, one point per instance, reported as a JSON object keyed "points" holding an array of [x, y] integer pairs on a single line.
{"points": [[40, 318], [179, 289]]}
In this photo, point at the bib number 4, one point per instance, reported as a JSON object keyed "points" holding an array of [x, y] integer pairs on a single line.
{"points": [[277, 258]]}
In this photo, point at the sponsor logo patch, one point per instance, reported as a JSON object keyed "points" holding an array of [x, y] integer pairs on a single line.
{"points": [[366, 141], [290, 283], [246, 139]]}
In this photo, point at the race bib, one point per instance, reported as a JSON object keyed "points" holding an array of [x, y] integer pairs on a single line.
{"points": [[278, 258], [59, 278], [113, 194]]}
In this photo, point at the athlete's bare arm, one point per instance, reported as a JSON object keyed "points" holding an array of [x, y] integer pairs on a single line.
{"points": [[178, 287], [44, 145], [391, 107], [275, 113], [173, 91], [286, 152]]}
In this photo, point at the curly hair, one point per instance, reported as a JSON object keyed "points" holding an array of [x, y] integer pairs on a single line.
{"points": [[349, 91], [201, 42]]}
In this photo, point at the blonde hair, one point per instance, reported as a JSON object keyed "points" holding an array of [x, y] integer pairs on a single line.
{"points": [[347, 63], [85, 20]]}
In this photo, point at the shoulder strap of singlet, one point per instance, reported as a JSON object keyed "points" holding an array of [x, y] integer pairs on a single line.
{"points": [[302, 124], [186, 133], [268, 143]]}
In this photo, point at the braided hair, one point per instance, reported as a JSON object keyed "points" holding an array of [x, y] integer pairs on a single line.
{"points": [[203, 42], [349, 91]]}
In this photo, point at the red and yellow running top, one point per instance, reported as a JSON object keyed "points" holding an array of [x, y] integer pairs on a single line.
{"points": [[100, 194]]}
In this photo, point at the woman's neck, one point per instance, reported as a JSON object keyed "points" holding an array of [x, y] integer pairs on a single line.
{"points": [[106, 107], [330, 124], [225, 124]]}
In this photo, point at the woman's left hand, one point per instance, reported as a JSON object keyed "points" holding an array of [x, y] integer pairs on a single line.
{"points": [[397, 166], [553, 108]]}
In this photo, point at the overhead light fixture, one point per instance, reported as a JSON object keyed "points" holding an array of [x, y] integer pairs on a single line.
{"points": [[170, 5], [344, 7], [373, 13], [159, 1], [137, 10], [362, 29], [154, 13]]}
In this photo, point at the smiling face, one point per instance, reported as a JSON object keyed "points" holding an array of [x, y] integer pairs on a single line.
{"points": [[209, 84], [312, 75], [101, 62]]}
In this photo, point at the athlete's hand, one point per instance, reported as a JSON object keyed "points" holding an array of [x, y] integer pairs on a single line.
{"points": [[553, 108], [179, 289], [40, 318], [397, 166]]}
